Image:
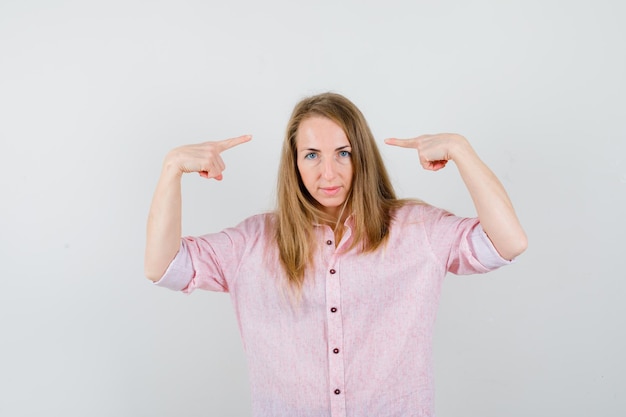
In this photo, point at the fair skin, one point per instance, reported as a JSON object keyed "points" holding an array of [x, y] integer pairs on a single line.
{"points": [[492, 203], [164, 220], [324, 162], [326, 170]]}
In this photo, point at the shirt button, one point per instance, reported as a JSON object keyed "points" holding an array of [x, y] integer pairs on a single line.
{"points": [[332, 271], [329, 242], [337, 392], [335, 350], [333, 310]]}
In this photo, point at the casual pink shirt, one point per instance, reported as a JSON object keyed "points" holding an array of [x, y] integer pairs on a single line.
{"points": [[359, 343]]}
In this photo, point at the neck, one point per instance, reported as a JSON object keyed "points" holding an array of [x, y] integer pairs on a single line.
{"points": [[338, 231]]}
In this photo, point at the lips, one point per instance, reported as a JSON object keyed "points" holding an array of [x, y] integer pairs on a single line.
{"points": [[330, 191]]}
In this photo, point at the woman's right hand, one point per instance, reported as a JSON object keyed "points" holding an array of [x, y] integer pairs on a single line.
{"points": [[203, 158], [164, 219]]}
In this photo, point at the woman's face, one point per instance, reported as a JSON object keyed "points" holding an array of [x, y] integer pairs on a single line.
{"points": [[324, 158]]}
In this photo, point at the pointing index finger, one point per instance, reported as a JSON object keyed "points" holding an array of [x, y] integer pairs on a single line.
{"points": [[232, 142], [403, 143]]}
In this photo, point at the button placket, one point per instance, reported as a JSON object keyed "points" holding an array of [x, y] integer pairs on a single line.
{"points": [[335, 337]]}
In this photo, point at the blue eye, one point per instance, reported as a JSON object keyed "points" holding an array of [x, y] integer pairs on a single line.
{"points": [[344, 154], [311, 155]]}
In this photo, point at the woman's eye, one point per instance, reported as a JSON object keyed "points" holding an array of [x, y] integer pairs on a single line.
{"points": [[344, 154], [311, 155]]}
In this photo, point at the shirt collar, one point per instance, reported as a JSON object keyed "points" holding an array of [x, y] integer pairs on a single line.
{"points": [[349, 222]]}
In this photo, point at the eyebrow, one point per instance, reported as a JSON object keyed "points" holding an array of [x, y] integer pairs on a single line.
{"points": [[317, 150]]}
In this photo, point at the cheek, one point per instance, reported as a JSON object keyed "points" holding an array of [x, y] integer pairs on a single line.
{"points": [[300, 170], [348, 172], [305, 175]]}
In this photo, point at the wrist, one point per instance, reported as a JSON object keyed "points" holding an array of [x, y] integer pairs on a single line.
{"points": [[460, 148], [171, 167]]}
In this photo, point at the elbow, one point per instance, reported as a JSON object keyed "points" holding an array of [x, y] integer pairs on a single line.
{"points": [[155, 264], [151, 273], [516, 247], [152, 277]]}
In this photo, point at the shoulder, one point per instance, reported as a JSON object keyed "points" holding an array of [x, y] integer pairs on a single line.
{"points": [[417, 215], [412, 211], [254, 225], [250, 232]]}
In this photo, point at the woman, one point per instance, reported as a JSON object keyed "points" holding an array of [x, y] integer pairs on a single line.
{"points": [[365, 267]]}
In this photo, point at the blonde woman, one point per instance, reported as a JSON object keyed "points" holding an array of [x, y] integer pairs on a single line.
{"points": [[336, 291]]}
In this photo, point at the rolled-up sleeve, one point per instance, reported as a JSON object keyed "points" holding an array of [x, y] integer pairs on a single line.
{"points": [[202, 262], [484, 251], [180, 272], [460, 242], [212, 262]]}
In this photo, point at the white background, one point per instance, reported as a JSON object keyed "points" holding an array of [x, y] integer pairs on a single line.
{"points": [[93, 94]]}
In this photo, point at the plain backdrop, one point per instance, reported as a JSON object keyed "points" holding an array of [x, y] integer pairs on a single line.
{"points": [[94, 94]]}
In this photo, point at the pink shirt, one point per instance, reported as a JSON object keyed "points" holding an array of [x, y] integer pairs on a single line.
{"points": [[359, 343]]}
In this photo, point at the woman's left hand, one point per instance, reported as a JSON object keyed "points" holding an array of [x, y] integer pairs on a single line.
{"points": [[434, 150], [493, 206]]}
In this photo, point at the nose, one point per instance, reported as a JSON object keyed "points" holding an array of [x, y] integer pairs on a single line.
{"points": [[329, 168]]}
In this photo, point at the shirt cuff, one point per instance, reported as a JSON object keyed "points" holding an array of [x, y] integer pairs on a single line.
{"points": [[484, 251], [179, 273]]}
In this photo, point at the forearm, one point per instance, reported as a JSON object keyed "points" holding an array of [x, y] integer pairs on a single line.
{"points": [[164, 224], [493, 206], [164, 220]]}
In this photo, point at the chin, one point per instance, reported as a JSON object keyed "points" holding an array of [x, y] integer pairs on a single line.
{"points": [[331, 206]]}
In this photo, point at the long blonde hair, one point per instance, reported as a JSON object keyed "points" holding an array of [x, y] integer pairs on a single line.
{"points": [[371, 199]]}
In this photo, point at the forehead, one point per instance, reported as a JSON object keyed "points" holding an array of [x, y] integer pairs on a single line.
{"points": [[317, 131]]}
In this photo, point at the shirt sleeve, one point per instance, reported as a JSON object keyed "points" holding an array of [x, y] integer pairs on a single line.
{"points": [[484, 251], [179, 273], [460, 242], [211, 262]]}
